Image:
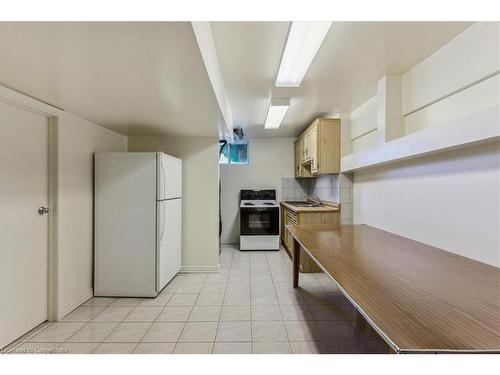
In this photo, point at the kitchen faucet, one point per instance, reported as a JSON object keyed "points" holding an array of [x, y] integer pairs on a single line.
{"points": [[315, 201]]}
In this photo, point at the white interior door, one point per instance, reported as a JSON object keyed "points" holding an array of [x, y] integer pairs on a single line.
{"points": [[169, 240], [23, 231]]}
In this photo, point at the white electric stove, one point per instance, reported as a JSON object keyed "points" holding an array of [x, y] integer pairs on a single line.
{"points": [[259, 220]]}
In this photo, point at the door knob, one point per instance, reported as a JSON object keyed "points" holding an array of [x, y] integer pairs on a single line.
{"points": [[43, 210]]}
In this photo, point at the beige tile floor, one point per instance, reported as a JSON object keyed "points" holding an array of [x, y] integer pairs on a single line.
{"points": [[249, 307]]}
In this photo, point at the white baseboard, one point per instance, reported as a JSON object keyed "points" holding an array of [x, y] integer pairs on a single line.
{"points": [[227, 241], [77, 301], [199, 269]]}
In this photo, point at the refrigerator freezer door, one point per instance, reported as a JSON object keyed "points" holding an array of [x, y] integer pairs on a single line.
{"points": [[169, 177], [169, 240]]}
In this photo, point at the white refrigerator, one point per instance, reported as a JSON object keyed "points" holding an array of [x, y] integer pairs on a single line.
{"points": [[137, 223]]}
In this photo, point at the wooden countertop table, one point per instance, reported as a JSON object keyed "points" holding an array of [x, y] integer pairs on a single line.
{"points": [[417, 297]]}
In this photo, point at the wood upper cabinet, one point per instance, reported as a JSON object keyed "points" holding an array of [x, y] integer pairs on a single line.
{"points": [[313, 148], [317, 150], [297, 157], [300, 170], [307, 146]]}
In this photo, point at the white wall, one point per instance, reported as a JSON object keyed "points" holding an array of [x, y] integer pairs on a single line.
{"points": [[450, 201], [468, 58], [78, 140], [458, 80], [270, 160], [449, 99], [363, 125], [364, 118], [379, 119], [200, 209]]}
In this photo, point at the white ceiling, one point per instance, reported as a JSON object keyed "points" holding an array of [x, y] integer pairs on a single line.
{"points": [[136, 78], [353, 57], [142, 78]]}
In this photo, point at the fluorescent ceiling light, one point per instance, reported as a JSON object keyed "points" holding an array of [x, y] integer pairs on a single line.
{"points": [[304, 40], [275, 113]]}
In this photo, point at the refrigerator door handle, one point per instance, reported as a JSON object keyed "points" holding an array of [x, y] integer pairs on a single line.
{"points": [[162, 177], [162, 215]]}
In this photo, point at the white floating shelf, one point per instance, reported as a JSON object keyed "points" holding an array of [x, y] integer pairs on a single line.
{"points": [[478, 128]]}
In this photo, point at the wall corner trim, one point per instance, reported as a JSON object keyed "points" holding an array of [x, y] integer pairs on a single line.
{"points": [[76, 302]]}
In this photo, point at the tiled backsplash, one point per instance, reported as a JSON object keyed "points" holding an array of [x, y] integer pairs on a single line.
{"points": [[325, 187], [294, 188], [346, 201], [330, 187]]}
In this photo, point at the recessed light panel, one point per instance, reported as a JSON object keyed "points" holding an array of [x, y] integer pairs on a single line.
{"points": [[275, 113], [304, 40]]}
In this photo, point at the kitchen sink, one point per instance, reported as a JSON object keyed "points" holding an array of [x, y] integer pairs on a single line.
{"points": [[301, 204]]}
